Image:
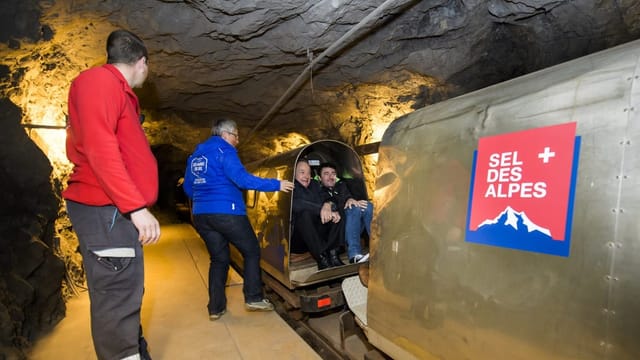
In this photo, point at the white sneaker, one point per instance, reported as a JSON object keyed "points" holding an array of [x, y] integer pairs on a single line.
{"points": [[214, 317], [262, 305], [359, 259]]}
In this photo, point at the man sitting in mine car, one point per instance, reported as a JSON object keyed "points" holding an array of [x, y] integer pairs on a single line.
{"points": [[356, 214], [316, 226]]}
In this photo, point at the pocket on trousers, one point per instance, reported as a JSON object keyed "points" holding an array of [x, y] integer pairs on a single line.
{"points": [[115, 264], [111, 273], [102, 227]]}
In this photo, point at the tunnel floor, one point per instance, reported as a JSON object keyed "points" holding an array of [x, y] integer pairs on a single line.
{"points": [[174, 315]]}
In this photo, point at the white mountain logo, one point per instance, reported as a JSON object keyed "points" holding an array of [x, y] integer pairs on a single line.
{"points": [[512, 218]]}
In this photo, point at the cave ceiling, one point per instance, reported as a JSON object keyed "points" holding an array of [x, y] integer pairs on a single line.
{"points": [[324, 68]]}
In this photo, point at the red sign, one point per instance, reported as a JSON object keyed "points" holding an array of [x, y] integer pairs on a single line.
{"points": [[524, 180]]}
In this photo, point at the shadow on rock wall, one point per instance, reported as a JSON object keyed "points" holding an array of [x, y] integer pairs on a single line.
{"points": [[31, 274]]}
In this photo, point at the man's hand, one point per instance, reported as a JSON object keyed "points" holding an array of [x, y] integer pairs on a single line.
{"points": [[286, 185], [362, 204], [325, 213], [147, 225]]}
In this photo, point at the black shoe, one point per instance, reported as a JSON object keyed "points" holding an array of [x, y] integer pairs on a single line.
{"points": [[323, 262], [143, 347], [334, 259]]}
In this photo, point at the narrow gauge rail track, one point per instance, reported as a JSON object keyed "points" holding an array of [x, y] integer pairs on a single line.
{"points": [[297, 321], [333, 334]]}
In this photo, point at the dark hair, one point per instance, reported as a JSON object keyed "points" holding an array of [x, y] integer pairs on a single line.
{"points": [[125, 47], [328, 165], [222, 125]]}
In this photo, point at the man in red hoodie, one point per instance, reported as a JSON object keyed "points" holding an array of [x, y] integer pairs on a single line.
{"points": [[114, 182]]}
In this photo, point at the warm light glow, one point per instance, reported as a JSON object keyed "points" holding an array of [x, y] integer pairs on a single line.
{"points": [[368, 110], [361, 115], [378, 131], [373, 158], [47, 69], [290, 142], [51, 141]]}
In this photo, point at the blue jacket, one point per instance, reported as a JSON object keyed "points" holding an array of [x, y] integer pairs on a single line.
{"points": [[215, 177]]}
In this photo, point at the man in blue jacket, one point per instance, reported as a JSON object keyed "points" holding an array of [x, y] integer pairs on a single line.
{"points": [[214, 180]]}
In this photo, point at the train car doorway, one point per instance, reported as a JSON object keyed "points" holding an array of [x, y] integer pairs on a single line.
{"points": [[270, 215]]}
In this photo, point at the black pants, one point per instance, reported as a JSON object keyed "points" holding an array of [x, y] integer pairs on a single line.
{"points": [[217, 231], [115, 284], [310, 234]]}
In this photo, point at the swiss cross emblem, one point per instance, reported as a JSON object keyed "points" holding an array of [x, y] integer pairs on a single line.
{"points": [[522, 189]]}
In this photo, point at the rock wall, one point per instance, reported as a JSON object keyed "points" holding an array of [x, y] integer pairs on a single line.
{"points": [[31, 275]]}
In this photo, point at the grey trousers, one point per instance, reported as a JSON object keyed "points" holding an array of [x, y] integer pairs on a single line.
{"points": [[116, 284]]}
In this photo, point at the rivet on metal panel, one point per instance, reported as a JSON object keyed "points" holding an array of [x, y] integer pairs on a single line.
{"points": [[628, 142], [607, 277], [625, 177], [621, 210], [603, 344], [625, 110], [618, 245], [605, 311], [612, 312], [610, 244], [617, 176], [613, 210], [615, 278]]}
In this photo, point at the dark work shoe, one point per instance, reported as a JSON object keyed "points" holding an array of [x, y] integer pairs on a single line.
{"points": [[323, 262], [359, 259], [143, 347], [334, 259], [214, 317]]}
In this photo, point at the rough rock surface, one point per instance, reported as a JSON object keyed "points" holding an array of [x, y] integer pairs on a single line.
{"points": [[31, 274], [238, 57]]}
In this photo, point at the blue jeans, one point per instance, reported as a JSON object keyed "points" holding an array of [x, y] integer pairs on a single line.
{"points": [[217, 231], [357, 219]]}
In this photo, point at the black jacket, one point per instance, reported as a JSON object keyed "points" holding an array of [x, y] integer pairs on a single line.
{"points": [[338, 195], [307, 198]]}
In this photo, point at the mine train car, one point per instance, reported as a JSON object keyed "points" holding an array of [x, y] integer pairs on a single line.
{"points": [[457, 271], [298, 281]]}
